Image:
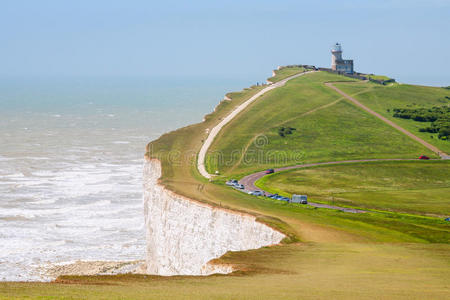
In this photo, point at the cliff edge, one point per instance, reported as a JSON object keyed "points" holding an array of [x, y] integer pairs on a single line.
{"points": [[184, 235]]}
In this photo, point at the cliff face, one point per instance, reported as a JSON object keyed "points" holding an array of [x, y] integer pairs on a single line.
{"points": [[184, 235]]}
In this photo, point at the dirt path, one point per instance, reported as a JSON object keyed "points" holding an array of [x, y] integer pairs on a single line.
{"points": [[289, 120], [216, 129], [389, 122]]}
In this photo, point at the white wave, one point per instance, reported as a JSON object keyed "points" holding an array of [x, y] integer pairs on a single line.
{"points": [[35, 158], [43, 173], [17, 212], [121, 142], [4, 158], [76, 199], [14, 176], [46, 201]]}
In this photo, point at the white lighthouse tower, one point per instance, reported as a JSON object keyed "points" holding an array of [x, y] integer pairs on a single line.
{"points": [[336, 55], [337, 63]]}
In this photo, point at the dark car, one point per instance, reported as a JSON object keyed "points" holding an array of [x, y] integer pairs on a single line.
{"points": [[231, 182], [423, 157], [269, 171], [256, 193]]}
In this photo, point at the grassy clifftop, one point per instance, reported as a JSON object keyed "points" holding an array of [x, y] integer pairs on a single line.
{"points": [[284, 72], [415, 187], [384, 253], [325, 127]]}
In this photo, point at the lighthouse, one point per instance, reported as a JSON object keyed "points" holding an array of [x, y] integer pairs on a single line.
{"points": [[336, 55], [337, 63]]}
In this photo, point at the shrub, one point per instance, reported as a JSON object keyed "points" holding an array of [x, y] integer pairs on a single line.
{"points": [[439, 116], [283, 131]]}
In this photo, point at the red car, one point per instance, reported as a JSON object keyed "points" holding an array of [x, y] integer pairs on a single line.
{"points": [[423, 157], [270, 171]]}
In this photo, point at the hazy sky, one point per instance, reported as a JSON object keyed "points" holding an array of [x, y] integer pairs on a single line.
{"points": [[408, 40]]}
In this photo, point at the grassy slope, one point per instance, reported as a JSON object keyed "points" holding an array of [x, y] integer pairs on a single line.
{"points": [[411, 186], [379, 77], [339, 131], [286, 72], [381, 98], [342, 255]]}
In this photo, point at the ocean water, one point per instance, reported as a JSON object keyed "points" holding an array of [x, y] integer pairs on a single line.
{"points": [[71, 156]]}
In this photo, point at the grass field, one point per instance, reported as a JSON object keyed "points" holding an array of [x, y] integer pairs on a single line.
{"points": [[419, 187], [329, 254], [286, 72], [310, 270], [384, 98], [378, 77], [328, 128]]}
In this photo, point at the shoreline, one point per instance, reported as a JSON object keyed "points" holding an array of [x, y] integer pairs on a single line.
{"points": [[94, 267], [51, 271]]}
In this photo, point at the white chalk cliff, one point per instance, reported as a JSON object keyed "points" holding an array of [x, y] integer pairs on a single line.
{"points": [[183, 235]]}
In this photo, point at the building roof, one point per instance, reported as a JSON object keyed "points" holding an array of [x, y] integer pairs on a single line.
{"points": [[337, 48]]}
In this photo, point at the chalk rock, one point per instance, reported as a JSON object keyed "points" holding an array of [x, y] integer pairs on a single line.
{"points": [[184, 235]]}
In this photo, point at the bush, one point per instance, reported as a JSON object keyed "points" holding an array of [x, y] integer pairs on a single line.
{"points": [[283, 131], [439, 116], [444, 132]]}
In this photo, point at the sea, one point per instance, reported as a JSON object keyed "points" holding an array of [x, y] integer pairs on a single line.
{"points": [[71, 159]]}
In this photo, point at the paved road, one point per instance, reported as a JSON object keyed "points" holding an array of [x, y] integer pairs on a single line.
{"points": [[249, 180], [442, 154], [213, 133]]}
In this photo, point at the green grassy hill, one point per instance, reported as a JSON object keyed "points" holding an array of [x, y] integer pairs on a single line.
{"points": [[327, 128], [403, 186], [394, 252], [383, 99], [285, 72]]}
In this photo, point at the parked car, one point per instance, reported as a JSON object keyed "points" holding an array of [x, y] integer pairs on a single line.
{"points": [[257, 193], [272, 196], [239, 186], [231, 182], [269, 171], [302, 199], [423, 157], [279, 197], [447, 219]]}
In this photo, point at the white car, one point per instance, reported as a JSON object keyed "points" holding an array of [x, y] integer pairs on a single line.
{"points": [[231, 182]]}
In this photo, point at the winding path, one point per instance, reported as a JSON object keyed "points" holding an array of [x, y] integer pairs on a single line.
{"points": [[442, 154], [216, 129], [249, 180]]}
